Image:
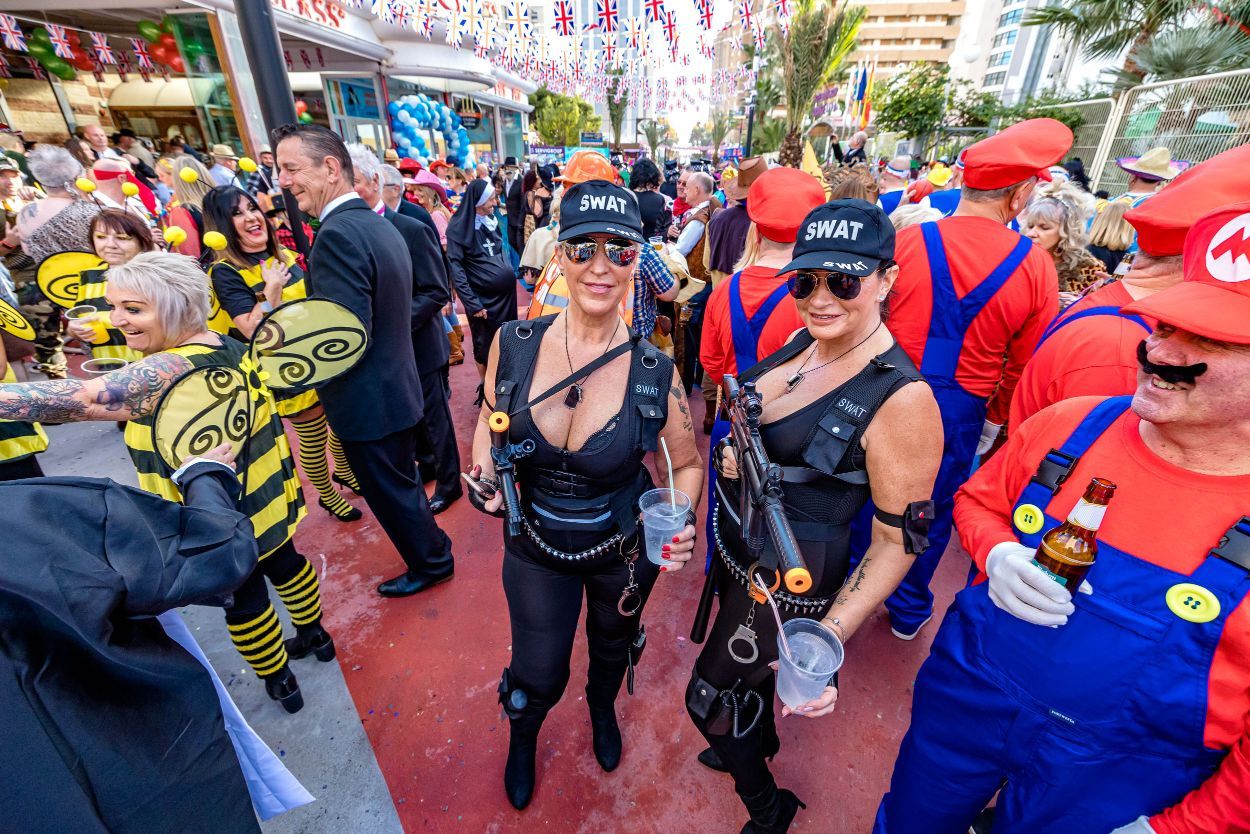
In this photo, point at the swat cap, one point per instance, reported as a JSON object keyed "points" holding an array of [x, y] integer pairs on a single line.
{"points": [[851, 236], [597, 207]]}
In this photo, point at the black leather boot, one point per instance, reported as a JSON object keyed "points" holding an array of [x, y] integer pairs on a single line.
{"points": [[283, 688], [519, 773], [606, 736], [771, 810], [311, 639], [771, 745]]}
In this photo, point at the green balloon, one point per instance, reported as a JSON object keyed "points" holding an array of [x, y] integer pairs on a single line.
{"points": [[41, 34], [192, 49], [40, 49], [60, 68], [305, 118], [150, 31], [168, 23]]}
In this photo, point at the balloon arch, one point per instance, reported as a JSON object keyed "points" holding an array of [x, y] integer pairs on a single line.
{"points": [[414, 113]]}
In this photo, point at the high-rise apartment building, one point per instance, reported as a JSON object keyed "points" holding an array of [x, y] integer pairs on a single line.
{"points": [[899, 32], [586, 15], [1000, 55]]}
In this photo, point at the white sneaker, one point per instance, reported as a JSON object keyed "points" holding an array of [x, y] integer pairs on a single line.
{"points": [[902, 635]]}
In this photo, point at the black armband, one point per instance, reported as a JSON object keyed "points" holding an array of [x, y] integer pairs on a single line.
{"points": [[914, 522]]}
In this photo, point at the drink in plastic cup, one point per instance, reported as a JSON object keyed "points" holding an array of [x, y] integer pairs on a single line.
{"points": [[816, 653], [103, 365], [661, 520], [87, 314], [657, 243]]}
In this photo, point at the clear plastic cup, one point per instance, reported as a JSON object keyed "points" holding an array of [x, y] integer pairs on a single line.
{"points": [[90, 315], [657, 243], [103, 365], [815, 654], [663, 516]]}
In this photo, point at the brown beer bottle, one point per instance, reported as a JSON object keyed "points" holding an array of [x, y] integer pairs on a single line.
{"points": [[1068, 551]]}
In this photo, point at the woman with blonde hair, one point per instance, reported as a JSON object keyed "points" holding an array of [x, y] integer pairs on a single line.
{"points": [[1055, 221], [1111, 235], [186, 210]]}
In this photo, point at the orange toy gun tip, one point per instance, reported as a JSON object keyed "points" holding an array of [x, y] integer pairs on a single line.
{"points": [[798, 580], [498, 421]]}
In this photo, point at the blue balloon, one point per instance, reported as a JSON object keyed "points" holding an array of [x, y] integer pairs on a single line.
{"points": [[392, 108], [402, 141]]}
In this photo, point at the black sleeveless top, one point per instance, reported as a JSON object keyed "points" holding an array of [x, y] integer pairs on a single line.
{"points": [[825, 480], [575, 497]]}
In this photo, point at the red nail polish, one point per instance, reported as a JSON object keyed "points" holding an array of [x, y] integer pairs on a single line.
{"points": [[674, 540], [663, 570]]}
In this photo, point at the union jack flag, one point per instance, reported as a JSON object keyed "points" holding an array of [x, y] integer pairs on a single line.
{"points": [[12, 33], [655, 11], [606, 15], [670, 26], [60, 41], [398, 13], [746, 15], [37, 69], [103, 52], [705, 13], [517, 20], [562, 20], [634, 29], [609, 52], [760, 36], [142, 56], [782, 8]]}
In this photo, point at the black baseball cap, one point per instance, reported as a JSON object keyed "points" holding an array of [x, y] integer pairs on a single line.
{"points": [[851, 236], [598, 207]]}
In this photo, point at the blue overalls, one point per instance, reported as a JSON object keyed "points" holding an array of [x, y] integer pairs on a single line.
{"points": [[1086, 726], [746, 332], [962, 417], [1061, 321]]}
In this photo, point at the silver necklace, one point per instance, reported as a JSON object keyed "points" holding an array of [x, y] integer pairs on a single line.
{"points": [[574, 397], [798, 376]]}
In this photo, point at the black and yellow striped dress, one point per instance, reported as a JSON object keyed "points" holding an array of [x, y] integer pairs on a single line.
{"points": [[19, 439], [92, 284], [272, 497], [296, 288]]}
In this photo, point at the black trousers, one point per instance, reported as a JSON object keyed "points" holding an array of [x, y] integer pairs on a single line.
{"points": [[252, 597], [20, 469], [516, 231], [387, 472], [544, 602], [438, 456]]}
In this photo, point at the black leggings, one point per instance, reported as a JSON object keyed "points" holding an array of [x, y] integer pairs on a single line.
{"points": [[544, 601], [20, 469], [251, 619]]}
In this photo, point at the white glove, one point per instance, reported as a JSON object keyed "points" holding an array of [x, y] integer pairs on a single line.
{"points": [[989, 433], [1024, 590], [1137, 826]]}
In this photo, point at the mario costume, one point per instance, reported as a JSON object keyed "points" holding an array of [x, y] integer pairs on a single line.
{"points": [[971, 300], [1091, 348], [1133, 712]]}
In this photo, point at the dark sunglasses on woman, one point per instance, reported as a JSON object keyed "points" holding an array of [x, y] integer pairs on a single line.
{"points": [[843, 285], [620, 251]]}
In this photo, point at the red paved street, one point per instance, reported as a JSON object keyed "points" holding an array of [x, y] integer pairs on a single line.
{"points": [[423, 671]]}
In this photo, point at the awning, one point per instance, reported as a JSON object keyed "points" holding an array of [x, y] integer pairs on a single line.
{"points": [[174, 93], [500, 101]]}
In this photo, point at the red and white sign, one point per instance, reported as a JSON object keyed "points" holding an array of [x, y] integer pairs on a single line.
{"points": [[322, 12]]}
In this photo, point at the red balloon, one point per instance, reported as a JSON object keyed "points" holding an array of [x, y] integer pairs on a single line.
{"points": [[300, 107], [73, 37], [83, 61], [177, 64], [168, 40], [160, 53]]}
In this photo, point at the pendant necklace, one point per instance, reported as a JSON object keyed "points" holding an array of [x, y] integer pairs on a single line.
{"points": [[574, 397], [799, 375]]}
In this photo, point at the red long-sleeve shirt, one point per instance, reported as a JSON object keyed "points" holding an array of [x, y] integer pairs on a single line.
{"points": [[1199, 510], [716, 348], [1093, 356], [1001, 337]]}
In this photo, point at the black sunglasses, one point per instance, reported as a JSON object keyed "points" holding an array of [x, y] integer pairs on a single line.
{"points": [[620, 251], [841, 284]]}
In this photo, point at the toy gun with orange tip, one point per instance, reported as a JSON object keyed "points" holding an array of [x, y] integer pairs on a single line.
{"points": [[761, 506], [504, 454]]}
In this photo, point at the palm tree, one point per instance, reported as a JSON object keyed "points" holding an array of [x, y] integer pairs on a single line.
{"points": [[718, 129], [1185, 53], [768, 135], [616, 106], [821, 35], [655, 131], [1105, 28]]}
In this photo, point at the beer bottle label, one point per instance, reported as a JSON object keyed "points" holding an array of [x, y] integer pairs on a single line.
{"points": [[1061, 580], [1087, 515]]}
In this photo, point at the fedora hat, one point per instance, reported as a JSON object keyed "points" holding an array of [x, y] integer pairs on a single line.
{"points": [[748, 171], [1155, 164], [224, 151]]}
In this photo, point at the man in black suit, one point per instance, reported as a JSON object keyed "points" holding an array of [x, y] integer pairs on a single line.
{"points": [[514, 203], [436, 436], [359, 260], [393, 196]]}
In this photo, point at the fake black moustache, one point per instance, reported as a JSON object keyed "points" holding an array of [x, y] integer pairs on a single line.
{"points": [[1171, 374]]}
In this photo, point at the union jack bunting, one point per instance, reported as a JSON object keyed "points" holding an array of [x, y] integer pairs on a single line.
{"points": [[60, 41], [782, 8], [606, 15], [142, 56], [517, 19], [37, 69], [704, 7], [562, 18], [758, 32], [12, 33], [670, 27], [634, 29], [399, 13], [655, 10], [609, 52], [746, 15], [103, 51]]}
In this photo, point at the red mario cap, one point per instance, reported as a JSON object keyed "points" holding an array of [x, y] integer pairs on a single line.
{"points": [[1163, 221], [1026, 149], [779, 199], [1214, 298]]}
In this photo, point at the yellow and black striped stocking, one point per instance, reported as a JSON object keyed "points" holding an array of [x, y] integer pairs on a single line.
{"points": [[302, 596], [342, 469], [259, 639], [313, 435]]}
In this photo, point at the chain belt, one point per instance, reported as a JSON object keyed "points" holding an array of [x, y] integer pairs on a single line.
{"points": [[617, 540], [785, 599]]}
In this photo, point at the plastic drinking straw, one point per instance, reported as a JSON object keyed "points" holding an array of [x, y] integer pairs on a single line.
{"points": [[772, 603], [672, 494]]}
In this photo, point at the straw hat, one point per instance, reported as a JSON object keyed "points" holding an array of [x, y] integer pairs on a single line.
{"points": [[224, 152], [1154, 165]]}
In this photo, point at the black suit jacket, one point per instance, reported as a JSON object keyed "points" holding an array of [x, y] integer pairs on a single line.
{"points": [[514, 201], [429, 292], [410, 209], [361, 261]]}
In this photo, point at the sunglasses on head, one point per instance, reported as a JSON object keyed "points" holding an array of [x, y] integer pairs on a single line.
{"points": [[620, 251]]}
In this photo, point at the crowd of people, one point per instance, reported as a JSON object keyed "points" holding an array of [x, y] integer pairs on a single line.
{"points": [[943, 350]]}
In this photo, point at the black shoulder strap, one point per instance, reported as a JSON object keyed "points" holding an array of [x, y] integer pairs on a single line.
{"points": [[1235, 544], [788, 351], [650, 383]]}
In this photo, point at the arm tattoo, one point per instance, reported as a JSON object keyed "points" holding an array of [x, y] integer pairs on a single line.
{"points": [[680, 395], [53, 401], [852, 584], [137, 387], [29, 211]]}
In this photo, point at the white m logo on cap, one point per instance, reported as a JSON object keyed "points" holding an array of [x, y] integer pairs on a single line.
{"points": [[1228, 256]]}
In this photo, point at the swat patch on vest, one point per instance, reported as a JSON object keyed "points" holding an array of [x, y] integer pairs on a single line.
{"points": [[852, 408], [646, 390]]}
